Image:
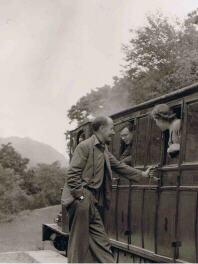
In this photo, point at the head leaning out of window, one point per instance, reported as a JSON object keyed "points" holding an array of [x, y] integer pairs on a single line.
{"points": [[166, 119]]}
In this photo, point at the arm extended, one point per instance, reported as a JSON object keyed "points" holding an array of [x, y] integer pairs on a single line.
{"points": [[127, 171]]}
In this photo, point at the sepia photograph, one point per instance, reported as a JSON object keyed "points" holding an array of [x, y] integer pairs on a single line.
{"points": [[99, 131]]}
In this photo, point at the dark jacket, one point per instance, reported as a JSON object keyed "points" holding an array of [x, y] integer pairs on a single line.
{"points": [[82, 166], [126, 155]]}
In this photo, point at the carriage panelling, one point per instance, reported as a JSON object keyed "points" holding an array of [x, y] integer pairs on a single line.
{"points": [[136, 216], [149, 219], [110, 217], [122, 214], [189, 177], [170, 177], [166, 223], [186, 226]]}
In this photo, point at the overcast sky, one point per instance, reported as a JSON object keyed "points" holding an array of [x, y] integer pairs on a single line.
{"points": [[52, 52]]}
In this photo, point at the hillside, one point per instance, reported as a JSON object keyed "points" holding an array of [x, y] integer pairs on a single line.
{"points": [[35, 151]]}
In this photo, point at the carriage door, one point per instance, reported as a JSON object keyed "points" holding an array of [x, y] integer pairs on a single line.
{"points": [[136, 201], [188, 202], [167, 243], [153, 158]]}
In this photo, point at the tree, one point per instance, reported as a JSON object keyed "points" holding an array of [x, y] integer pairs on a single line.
{"points": [[48, 180], [102, 101], [91, 103], [23, 188], [160, 57], [12, 198], [11, 159]]}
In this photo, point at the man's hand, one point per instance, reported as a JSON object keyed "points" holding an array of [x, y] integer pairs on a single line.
{"points": [[151, 172]]}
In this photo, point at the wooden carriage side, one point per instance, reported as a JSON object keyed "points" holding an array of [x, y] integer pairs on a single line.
{"points": [[159, 222], [151, 222]]}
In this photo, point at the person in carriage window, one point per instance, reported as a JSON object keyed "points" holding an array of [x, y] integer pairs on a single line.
{"points": [[126, 135], [166, 119]]}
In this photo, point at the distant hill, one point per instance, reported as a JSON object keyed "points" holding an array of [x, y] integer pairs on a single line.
{"points": [[35, 151]]}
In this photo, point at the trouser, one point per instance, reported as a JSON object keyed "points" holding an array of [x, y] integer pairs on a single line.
{"points": [[88, 241]]}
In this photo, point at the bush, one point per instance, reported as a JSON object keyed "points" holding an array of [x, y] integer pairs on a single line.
{"points": [[12, 198], [38, 187]]}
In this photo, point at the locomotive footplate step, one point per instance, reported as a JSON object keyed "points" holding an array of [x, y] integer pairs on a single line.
{"points": [[41, 256]]}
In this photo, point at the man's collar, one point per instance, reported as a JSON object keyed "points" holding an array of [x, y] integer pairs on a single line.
{"points": [[97, 141]]}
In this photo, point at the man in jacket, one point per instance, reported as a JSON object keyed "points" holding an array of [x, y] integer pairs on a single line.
{"points": [[88, 185]]}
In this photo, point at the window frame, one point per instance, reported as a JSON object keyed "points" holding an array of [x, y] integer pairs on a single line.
{"points": [[187, 102]]}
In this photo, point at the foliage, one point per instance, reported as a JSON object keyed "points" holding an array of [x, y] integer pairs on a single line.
{"points": [[12, 197], [104, 100], [48, 181], [9, 158], [23, 188], [90, 103], [160, 57]]}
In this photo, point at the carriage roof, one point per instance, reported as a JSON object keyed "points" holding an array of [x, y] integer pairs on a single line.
{"points": [[162, 99]]}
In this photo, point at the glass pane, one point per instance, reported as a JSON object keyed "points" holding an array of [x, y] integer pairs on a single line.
{"points": [[192, 133]]}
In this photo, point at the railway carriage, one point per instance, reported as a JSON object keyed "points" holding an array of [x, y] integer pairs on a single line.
{"points": [[149, 221]]}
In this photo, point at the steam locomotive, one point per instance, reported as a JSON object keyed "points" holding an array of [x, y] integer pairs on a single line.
{"points": [[150, 221]]}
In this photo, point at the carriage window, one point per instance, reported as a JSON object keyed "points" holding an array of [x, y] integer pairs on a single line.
{"points": [[155, 144], [192, 133], [141, 140], [172, 140], [126, 134]]}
